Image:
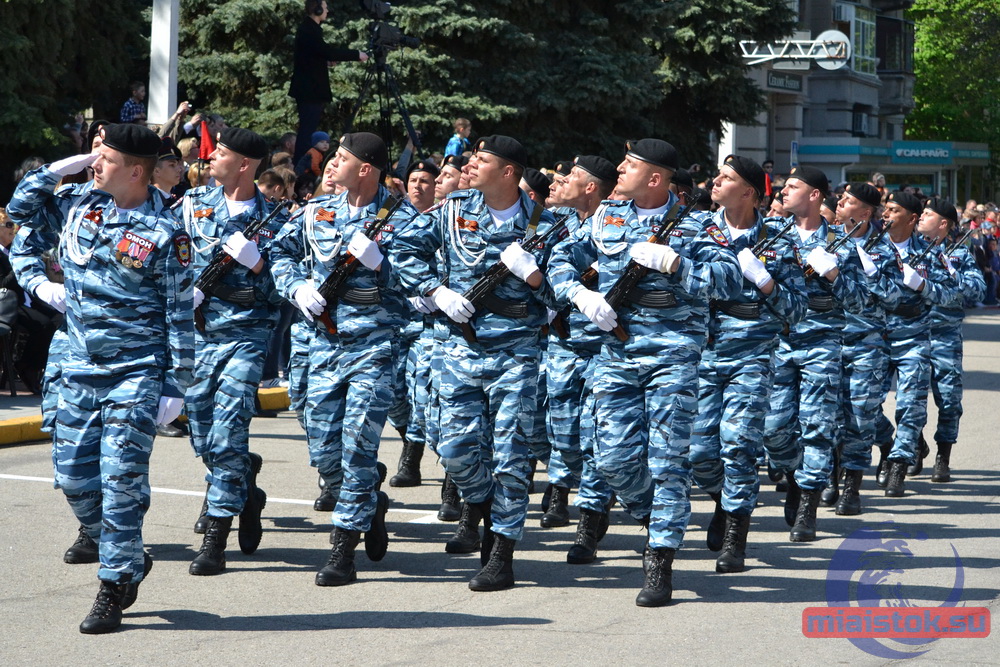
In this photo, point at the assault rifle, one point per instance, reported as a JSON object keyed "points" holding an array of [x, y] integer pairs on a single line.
{"points": [[634, 272], [875, 238], [496, 274], [210, 280], [959, 242], [334, 286], [834, 246], [768, 242]]}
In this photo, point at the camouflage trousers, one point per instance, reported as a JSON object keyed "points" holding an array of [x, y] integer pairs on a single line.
{"points": [[489, 391], [51, 382], [220, 405], [101, 458], [801, 425], [909, 363], [350, 391], [298, 366], [401, 410], [569, 381], [418, 386], [862, 392], [538, 437], [733, 398], [946, 379], [644, 407]]}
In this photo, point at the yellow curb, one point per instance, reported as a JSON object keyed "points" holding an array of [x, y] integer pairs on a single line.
{"points": [[29, 429]]}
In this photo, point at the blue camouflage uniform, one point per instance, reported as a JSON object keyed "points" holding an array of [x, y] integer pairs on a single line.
{"points": [[486, 390], [800, 427], [352, 371], [909, 327], [735, 372], [865, 355], [571, 430], [401, 411], [646, 389], [946, 344], [230, 351], [130, 341]]}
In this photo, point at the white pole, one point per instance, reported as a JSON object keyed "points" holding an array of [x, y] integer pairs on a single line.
{"points": [[163, 60]]}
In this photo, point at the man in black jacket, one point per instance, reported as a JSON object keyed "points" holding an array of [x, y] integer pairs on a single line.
{"points": [[310, 80]]}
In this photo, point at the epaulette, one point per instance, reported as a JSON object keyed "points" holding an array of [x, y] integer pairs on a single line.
{"points": [[460, 194]]}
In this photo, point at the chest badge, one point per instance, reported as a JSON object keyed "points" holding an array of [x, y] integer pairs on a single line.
{"points": [[133, 250]]}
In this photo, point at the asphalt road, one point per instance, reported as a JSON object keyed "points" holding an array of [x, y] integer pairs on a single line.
{"points": [[414, 607]]}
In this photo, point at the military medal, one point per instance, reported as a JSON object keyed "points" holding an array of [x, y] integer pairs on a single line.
{"points": [[133, 250]]}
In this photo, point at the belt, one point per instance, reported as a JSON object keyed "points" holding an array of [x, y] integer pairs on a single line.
{"points": [[741, 310], [365, 296], [909, 310], [517, 310], [652, 298], [241, 296], [821, 304]]}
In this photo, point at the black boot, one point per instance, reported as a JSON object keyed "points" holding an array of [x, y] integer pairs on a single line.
{"points": [[485, 510], [832, 491], [557, 515], [130, 591], [498, 572], [584, 550], [408, 473], [734, 547], [202, 523], [717, 526], [84, 550], [882, 471], [602, 527], [897, 473], [532, 465], [377, 537], [339, 568], [850, 501], [327, 499], [792, 499], [450, 510], [466, 538], [922, 451], [804, 529], [942, 463], [211, 558], [658, 587], [250, 530], [106, 614]]}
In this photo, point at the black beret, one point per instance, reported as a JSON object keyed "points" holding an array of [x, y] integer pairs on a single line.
{"points": [[455, 161], [682, 178], [654, 151], [424, 165], [168, 151], [563, 167], [865, 193], [906, 200], [367, 147], [131, 139], [943, 207], [749, 171], [92, 131], [812, 177], [538, 182], [831, 202], [598, 167], [508, 148], [245, 142]]}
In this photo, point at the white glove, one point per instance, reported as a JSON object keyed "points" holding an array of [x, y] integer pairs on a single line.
{"points": [[309, 301], [453, 304], [365, 250], [169, 410], [821, 261], [421, 304], [73, 164], [243, 251], [520, 262], [597, 310], [866, 262], [753, 269], [199, 296], [653, 256], [53, 294], [911, 278]]}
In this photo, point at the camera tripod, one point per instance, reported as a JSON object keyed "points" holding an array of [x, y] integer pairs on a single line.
{"points": [[381, 81]]}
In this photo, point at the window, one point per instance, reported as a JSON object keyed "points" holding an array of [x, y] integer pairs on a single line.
{"points": [[894, 45], [863, 40]]}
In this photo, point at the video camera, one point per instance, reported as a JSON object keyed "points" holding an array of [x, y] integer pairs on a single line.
{"points": [[384, 36]]}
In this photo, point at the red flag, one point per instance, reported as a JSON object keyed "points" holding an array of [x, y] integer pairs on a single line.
{"points": [[207, 146]]}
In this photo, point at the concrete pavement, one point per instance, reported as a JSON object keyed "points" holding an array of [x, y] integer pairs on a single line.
{"points": [[414, 607]]}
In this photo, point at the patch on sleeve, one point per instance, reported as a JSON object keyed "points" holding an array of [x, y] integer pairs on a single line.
{"points": [[182, 246], [717, 235]]}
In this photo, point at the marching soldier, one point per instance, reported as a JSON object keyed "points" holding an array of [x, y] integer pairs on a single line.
{"points": [[238, 317], [646, 388], [127, 298], [735, 372]]}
